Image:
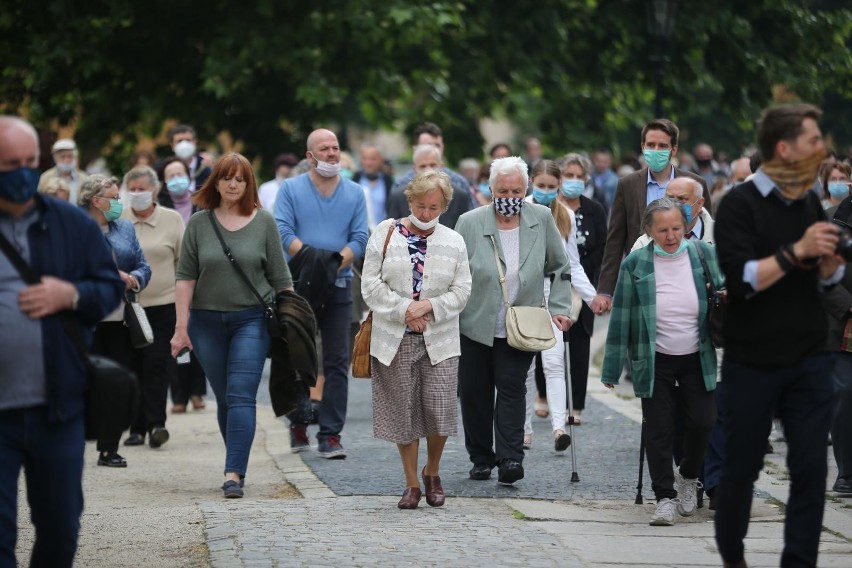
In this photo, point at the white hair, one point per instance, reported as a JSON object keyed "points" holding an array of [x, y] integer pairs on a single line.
{"points": [[507, 166], [426, 150]]}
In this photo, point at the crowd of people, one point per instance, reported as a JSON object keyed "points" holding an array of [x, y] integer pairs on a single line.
{"points": [[205, 249]]}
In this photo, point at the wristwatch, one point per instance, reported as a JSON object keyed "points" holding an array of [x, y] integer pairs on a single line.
{"points": [[76, 299]]}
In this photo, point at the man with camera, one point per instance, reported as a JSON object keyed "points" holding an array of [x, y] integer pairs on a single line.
{"points": [[778, 254]]}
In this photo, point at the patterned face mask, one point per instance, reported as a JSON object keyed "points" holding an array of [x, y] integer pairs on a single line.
{"points": [[508, 206]]}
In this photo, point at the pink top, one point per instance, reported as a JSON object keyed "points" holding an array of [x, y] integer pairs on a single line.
{"points": [[677, 305]]}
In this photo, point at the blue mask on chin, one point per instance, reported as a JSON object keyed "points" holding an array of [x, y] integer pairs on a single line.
{"points": [[20, 185]]}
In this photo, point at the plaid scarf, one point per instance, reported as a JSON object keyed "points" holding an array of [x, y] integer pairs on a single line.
{"points": [[794, 179]]}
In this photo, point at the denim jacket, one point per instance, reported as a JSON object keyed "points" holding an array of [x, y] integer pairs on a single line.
{"points": [[127, 252]]}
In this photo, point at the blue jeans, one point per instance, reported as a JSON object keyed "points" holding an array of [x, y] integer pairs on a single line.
{"points": [[51, 454], [802, 394], [334, 320], [232, 347]]}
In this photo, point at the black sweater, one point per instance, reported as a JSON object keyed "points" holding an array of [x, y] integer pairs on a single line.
{"points": [[780, 325]]}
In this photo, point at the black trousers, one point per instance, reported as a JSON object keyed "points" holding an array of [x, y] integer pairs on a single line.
{"points": [[189, 380], [678, 382], [489, 426], [579, 353], [112, 339], [802, 395], [156, 368], [841, 426]]}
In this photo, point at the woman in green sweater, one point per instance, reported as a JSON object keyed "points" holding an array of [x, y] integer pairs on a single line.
{"points": [[218, 314]]}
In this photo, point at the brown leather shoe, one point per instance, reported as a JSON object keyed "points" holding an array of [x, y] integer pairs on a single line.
{"points": [[178, 408], [197, 402], [410, 499], [434, 491]]}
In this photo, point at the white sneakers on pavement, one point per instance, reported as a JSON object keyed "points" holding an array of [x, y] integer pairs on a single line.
{"points": [[665, 513], [687, 493]]}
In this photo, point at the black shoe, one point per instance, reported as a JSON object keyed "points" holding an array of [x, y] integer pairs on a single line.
{"points": [[509, 472], [158, 436], [135, 440], [711, 495], [111, 459], [480, 472], [843, 485]]}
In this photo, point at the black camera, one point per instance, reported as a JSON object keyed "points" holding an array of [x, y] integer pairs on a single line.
{"points": [[844, 242]]}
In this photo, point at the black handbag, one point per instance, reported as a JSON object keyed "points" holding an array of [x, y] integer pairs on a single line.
{"points": [[717, 304], [112, 392], [136, 322], [268, 313]]}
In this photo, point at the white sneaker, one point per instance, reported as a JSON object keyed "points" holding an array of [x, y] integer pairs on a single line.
{"points": [[687, 496], [664, 515]]}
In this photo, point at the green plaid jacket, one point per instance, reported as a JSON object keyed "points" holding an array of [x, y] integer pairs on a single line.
{"points": [[633, 323]]}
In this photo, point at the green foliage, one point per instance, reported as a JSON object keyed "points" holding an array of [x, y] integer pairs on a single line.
{"points": [[577, 73]]}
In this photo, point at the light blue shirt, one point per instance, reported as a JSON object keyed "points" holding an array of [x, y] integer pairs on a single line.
{"points": [[655, 190], [328, 223], [378, 198]]}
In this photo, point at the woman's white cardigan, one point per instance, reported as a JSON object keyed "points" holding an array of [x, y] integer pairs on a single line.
{"points": [[387, 288]]}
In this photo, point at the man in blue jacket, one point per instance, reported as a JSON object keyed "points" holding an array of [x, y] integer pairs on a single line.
{"points": [[42, 375]]}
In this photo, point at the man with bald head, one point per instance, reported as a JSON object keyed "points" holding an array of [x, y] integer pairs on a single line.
{"points": [[376, 183], [42, 373], [690, 194], [322, 218]]}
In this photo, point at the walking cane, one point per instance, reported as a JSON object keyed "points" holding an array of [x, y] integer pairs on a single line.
{"points": [[574, 477], [638, 500]]}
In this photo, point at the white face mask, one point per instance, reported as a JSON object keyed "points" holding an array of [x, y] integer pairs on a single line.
{"points": [[185, 149], [140, 200], [325, 169], [421, 225], [65, 167]]}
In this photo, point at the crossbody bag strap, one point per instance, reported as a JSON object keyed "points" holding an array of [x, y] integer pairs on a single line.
{"points": [[72, 327], [234, 262], [500, 271]]}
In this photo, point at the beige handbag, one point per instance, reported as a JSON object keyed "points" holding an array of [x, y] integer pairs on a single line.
{"points": [[527, 328]]}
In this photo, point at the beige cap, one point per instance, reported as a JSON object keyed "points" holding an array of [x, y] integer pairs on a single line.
{"points": [[63, 144]]}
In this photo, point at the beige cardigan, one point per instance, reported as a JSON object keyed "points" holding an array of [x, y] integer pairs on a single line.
{"points": [[387, 287]]}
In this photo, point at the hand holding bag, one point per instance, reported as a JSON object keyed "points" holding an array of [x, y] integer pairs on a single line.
{"points": [[136, 322], [269, 315], [527, 328], [717, 303], [361, 367]]}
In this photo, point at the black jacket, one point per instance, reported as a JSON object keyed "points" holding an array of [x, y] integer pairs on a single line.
{"points": [[314, 271], [294, 355]]}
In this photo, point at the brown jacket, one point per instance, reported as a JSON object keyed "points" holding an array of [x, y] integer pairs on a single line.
{"points": [[625, 222]]}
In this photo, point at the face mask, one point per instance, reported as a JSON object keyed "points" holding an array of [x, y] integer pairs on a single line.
{"points": [[420, 224], [19, 186], [508, 206], [657, 160], [114, 211], [65, 167], [372, 177], [838, 189], [325, 169], [185, 149], [658, 249], [688, 210], [484, 189], [573, 188], [542, 196], [703, 163], [178, 185], [140, 201], [346, 172]]}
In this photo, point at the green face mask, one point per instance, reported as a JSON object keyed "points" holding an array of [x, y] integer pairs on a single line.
{"points": [[658, 250], [114, 211], [657, 160]]}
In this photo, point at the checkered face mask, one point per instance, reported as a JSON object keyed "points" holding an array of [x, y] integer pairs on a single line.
{"points": [[508, 206]]}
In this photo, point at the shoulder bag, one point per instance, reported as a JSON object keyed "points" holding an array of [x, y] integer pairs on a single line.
{"points": [[527, 328], [112, 393], [717, 303], [361, 366], [268, 313], [136, 322]]}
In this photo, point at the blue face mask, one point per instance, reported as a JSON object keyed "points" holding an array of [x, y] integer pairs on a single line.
{"points": [[657, 160], [573, 188], [658, 249], [543, 196], [178, 185], [20, 185], [838, 189], [484, 189], [687, 208]]}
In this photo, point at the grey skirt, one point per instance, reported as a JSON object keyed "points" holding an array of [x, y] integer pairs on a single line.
{"points": [[412, 398]]}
